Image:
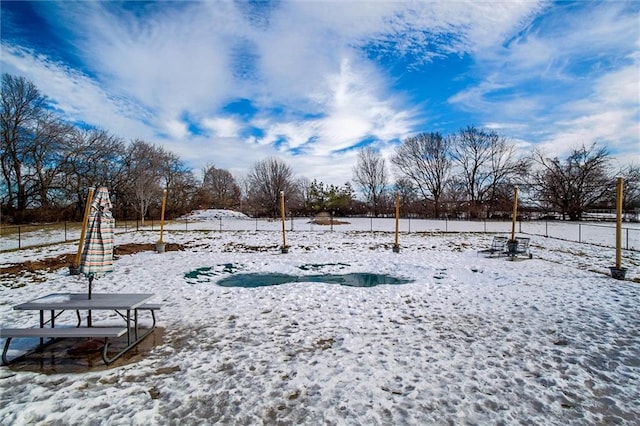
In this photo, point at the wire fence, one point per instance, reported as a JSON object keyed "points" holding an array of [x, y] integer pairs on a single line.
{"points": [[604, 234], [16, 237]]}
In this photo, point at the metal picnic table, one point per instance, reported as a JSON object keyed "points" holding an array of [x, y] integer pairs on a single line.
{"points": [[124, 304]]}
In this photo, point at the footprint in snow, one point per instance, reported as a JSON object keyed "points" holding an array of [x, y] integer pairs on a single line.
{"points": [[440, 274]]}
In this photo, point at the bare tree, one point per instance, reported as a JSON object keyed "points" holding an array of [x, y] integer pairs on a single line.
{"points": [[145, 172], [408, 195], [487, 166], [575, 184], [219, 189], [425, 161], [370, 174], [182, 192], [266, 180], [507, 170], [90, 158], [472, 154], [180, 184], [22, 106], [48, 153], [306, 191], [631, 193]]}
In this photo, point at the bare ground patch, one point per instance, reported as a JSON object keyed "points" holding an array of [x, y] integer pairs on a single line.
{"points": [[36, 269]]}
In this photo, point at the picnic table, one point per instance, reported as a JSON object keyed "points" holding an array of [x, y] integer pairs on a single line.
{"points": [[126, 305]]}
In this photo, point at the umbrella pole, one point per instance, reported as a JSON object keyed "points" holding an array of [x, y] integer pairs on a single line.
{"points": [[83, 233], [89, 313]]}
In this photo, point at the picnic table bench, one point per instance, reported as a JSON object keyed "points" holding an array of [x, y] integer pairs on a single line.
{"points": [[58, 333], [77, 302]]}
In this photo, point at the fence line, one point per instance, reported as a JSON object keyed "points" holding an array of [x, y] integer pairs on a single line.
{"points": [[24, 236], [14, 237]]}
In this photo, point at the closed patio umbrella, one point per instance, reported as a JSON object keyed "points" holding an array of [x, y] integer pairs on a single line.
{"points": [[97, 253]]}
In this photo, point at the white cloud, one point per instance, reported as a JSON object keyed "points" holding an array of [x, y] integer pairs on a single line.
{"points": [[355, 105], [76, 96], [608, 115], [314, 64], [568, 79], [358, 105], [287, 135], [223, 127], [331, 169], [170, 61], [176, 129]]}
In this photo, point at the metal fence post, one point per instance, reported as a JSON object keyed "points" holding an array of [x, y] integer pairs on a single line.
{"points": [[627, 238], [19, 239], [220, 224], [579, 232], [65, 231]]}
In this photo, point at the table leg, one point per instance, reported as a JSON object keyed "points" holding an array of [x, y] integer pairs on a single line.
{"points": [[128, 326], [135, 324], [41, 326]]}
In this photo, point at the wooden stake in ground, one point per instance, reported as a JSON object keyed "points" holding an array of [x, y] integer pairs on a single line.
{"points": [[515, 213], [164, 203], [83, 233], [284, 247], [619, 187], [396, 246]]}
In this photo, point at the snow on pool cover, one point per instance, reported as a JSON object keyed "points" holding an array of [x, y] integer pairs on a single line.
{"points": [[253, 280], [350, 280]]}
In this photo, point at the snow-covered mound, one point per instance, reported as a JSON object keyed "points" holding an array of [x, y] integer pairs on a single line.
{"points": [[213, 214]]}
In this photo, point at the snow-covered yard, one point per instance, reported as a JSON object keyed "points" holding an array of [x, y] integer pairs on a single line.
{"points": [[472, 340]]}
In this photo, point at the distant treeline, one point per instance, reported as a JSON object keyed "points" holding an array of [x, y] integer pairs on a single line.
{"points": [[48, 166]]}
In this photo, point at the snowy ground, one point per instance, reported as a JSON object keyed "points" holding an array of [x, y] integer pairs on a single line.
{"points": [[473, 340], [600, 233]]}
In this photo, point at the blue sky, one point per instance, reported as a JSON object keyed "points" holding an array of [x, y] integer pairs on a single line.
{"points": [[230, 83]]}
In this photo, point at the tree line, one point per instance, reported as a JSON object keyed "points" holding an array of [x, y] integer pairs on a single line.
{"points": [[472, 173], [48, 165]]}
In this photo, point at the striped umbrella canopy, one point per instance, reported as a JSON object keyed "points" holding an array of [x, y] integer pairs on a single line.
{"points": [[97, 253]]}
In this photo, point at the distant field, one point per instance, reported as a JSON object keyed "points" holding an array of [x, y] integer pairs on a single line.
{"points": [[599, 233]]}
